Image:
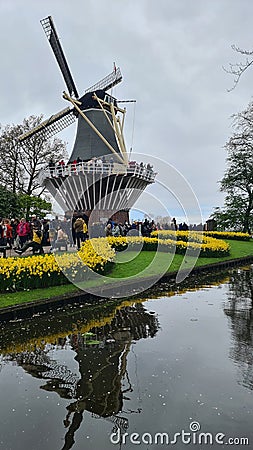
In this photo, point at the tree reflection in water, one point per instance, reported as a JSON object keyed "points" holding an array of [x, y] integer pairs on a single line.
{"points": [[239, 309], [101, 355]]}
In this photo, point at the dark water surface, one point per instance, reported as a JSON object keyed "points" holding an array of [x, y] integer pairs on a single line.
{"points": [[164, 364]]}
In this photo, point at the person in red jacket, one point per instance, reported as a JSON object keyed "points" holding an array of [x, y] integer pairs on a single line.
{"points": [[23, 231], [6, 232]]}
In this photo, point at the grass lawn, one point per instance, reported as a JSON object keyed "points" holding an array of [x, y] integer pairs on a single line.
{"points": [[164, 262], [15, 298], [128, 264]]}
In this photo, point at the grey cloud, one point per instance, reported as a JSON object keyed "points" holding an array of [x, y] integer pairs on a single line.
{"points": [[171, 55]]}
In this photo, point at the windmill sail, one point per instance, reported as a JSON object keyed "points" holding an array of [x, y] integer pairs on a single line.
{"points": [[108, 82], [54, 41], [51, 126]]}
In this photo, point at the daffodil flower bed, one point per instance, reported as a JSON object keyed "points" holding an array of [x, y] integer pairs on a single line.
{"points": [[192, 242], [228, 235], [47, 270], [97, 254], [196, 236]]}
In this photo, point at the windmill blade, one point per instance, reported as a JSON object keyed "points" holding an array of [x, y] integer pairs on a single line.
{"points": [[54, 41], [108, 82], [51, 126]]}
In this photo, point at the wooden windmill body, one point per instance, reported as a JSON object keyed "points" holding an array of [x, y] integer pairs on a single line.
{"points": [[98, 179]]}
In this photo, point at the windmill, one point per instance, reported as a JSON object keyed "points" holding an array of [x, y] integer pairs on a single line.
{"points": [[98, 177]]}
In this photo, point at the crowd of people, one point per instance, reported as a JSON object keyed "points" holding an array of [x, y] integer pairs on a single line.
{"points": [[61, 167], [143, 228], [35, 234], [97, 164], [22, 234]]}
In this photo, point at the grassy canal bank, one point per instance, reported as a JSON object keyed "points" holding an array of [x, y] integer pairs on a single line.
{"points": [[128, 264]]}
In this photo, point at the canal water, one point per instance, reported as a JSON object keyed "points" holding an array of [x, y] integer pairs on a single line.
{"points": [[172, 370]]}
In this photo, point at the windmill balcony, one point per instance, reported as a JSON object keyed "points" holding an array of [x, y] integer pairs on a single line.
{"points": [[71, 169]]}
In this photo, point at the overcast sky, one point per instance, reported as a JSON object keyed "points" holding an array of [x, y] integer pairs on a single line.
{"points": [[171, 54]]}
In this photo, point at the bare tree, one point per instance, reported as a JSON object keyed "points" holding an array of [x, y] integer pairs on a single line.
{"points": [[11, 169], [20, 165], [238, 69]]}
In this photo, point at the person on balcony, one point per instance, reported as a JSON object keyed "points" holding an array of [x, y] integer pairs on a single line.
{"points": [[73, 166], [111, 164], [51, 167], [99, 165], [60, 168]]}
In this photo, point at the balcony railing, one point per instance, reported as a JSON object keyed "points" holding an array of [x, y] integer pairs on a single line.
{"points": [[71, 169]]}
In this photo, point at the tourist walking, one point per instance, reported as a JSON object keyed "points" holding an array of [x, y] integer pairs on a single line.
{"points": [[108, 229], [6, 233], [78, 228], [23, 230], [116, 230], [85, 231], [35, 222]]}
